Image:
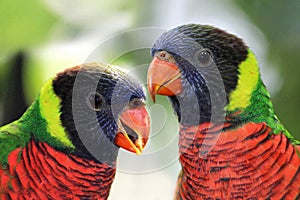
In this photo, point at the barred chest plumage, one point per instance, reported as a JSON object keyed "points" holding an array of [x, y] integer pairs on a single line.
{"points": [[38, 171], [245, 162]]}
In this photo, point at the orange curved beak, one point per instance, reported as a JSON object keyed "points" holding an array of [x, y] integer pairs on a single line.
{"points": [[134, 130], [164, 78]]}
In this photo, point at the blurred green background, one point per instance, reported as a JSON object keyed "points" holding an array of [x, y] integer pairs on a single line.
{"points": [[39, 38]]}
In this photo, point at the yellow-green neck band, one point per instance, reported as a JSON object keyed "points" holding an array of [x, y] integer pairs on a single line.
{"points": [[49, 104], [247, 82]]}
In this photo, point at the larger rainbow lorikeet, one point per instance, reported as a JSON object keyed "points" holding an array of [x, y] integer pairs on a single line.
{"points": [[66, 144], [231, 143]]}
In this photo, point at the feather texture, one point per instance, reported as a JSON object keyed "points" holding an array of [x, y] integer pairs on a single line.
{"points": [[38, 171], [246, 162], [251, 155]]}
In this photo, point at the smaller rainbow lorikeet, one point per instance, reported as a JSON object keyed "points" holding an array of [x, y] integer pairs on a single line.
{"points": [[66, 144], [231, 143]]}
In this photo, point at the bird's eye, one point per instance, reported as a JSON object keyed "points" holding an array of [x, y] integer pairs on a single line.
{"points": [[162, 55], [165, 56], [95, 101], [135, 103], [205, 57]]}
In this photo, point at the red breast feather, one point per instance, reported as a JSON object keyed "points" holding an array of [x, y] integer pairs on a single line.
{"points": [[40, 172], [245, 163]]}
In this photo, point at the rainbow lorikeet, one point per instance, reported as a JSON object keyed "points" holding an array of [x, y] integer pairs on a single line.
{"points": [[66, 144], [231, 143]]}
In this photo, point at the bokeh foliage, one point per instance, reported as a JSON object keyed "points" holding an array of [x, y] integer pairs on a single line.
{"points": [[23, 24]]}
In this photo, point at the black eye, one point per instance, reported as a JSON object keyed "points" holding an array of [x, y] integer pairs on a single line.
{"points": [[205, 57], [135, 103], [95, 101]]}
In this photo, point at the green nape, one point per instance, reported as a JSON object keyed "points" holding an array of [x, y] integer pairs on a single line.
{"points": [[258, 107], [18, 133]]}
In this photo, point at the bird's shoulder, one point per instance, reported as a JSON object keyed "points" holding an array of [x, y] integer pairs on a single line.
{"points": [[11, 137]]}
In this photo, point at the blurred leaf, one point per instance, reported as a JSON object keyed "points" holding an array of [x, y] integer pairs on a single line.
{"points": [[14, 103], [3, 72], [23, 24], [33, 79]]}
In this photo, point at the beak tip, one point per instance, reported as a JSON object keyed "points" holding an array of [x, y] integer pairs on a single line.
{"points": [[153, 97], [152, 88]]}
